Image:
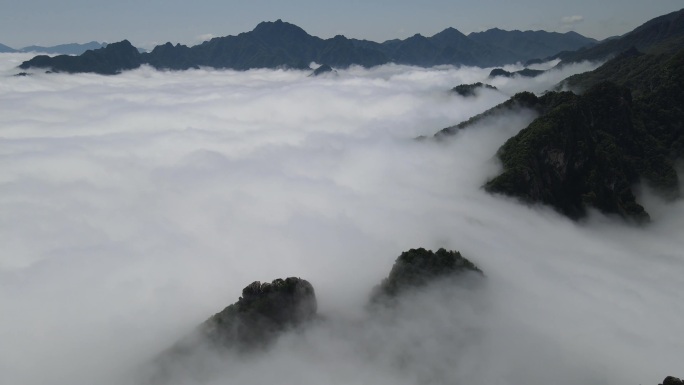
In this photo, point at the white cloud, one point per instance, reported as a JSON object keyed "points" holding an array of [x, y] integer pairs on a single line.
{"points": [[133, 207], [570, 22], [204, 37]]}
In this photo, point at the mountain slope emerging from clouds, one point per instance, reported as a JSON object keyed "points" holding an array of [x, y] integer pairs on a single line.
{"points": [[664, 34], [590, 150]]}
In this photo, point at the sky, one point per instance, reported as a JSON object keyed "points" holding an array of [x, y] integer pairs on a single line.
{"points": [[152, 22], [133, 207]]}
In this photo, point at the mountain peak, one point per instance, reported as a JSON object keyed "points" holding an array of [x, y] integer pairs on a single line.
{"points": [[449, 33], [278, 27]]}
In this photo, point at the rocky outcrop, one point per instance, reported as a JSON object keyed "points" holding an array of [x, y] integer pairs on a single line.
{"points": [[420, 267]]}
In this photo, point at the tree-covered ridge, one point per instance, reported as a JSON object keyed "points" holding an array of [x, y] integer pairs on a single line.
{"points": [[263, 311], [419, 267], [518, 102], [467, 90], [590, 150]]}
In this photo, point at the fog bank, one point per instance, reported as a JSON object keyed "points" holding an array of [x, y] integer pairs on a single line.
{"points": [[135, 206]]}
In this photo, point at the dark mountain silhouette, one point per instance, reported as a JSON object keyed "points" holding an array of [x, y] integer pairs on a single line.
{"points": [[6, 49], [283, 45], [468, 90], [660, 35], [532, 44], [110, 60], [526, 72]]}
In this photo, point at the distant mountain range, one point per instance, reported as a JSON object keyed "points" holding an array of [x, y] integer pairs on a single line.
{"points": [[61, 49], [65, 49], [280, 44], [662, 34]]}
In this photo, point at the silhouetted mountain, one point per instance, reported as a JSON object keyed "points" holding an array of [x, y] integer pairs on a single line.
{"points": [[280, 44], [65, 49], [660, 35], [532, 44], [110, 60], [526, 72], [467, 90], [6, 49]]}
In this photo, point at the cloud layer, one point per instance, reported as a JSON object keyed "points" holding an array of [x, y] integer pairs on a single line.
{"points": [[133, 207]]}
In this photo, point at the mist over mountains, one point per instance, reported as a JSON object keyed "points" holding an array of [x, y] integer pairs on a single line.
{"points": [[135, 206]]}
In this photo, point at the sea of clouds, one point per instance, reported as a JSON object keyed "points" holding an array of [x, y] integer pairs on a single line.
{"points": [[133, 207]]}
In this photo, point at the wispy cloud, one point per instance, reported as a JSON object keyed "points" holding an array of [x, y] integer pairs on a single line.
{"points": [[570, 22], [204, 37]]}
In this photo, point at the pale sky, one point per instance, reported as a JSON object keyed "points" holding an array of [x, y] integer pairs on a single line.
{"points": [[151, 22]]}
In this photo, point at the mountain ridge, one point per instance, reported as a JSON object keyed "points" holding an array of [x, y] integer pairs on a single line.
{"points": [[280, 44]]}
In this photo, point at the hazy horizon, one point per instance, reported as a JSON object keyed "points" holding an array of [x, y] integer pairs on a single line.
{"points": [[149, 24]]}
